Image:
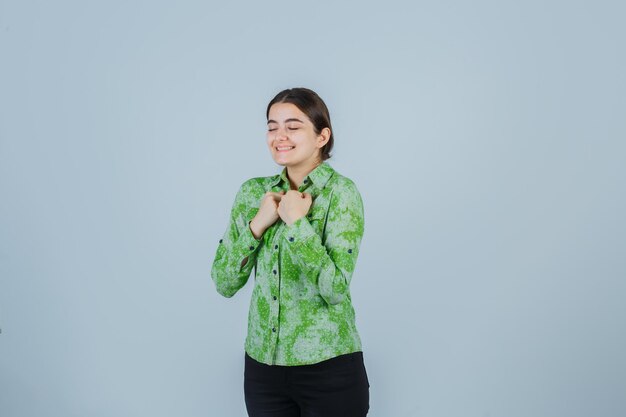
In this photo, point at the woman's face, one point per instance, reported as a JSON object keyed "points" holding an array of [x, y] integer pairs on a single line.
{"points": [[291, 137]]}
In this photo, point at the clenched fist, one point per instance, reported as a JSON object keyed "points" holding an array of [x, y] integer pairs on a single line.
{"points": [[267, 214], [294, 205]]}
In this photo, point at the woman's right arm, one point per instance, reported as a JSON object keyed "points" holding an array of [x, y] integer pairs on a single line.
{"points": [[237, 250]]}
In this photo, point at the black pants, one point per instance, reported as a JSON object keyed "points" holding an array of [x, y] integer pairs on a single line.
{"points": [[337, 387]]}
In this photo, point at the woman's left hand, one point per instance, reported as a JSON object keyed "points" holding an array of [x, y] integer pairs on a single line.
{"points": [[294, 205]]}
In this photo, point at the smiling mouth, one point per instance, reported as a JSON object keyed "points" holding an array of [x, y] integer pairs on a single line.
{"points": [[284, 149]]}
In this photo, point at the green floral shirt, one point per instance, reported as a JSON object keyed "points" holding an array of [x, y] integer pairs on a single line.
{"points": [[301, 310]]}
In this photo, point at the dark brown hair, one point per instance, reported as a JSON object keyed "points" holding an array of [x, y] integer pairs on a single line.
{"points": [[313, 106]]}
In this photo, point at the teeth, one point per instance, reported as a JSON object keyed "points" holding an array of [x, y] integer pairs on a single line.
{"points": [[288, 147]]}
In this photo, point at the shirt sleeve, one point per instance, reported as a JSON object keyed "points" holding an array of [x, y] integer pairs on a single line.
{"points": [[330, 265], [237, 243]]}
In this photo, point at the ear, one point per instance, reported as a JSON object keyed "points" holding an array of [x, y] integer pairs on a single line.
{"points": [[323, 137]]}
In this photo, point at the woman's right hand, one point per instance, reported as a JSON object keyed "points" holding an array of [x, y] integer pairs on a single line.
{"points": [[267, 214]]}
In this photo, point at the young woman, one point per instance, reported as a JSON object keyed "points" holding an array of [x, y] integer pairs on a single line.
{"points": [[301, 231]]}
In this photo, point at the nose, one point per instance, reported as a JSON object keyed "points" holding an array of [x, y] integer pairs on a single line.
{"points": [[281, 133]]}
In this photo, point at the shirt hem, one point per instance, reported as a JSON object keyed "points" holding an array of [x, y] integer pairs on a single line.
{"points": [[253, 356]]}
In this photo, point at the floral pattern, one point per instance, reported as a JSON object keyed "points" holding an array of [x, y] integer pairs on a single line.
{"points": [[301, 310]]}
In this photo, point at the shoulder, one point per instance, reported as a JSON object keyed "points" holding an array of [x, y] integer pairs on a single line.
{"points": [[345, 191], [252, 189], [343, 184], [258, 183]]}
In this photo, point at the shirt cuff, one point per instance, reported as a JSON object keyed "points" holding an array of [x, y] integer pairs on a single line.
{"points": [[247, 245]]}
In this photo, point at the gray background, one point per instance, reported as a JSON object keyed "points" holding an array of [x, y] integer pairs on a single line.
{"points": [[487, 139]]}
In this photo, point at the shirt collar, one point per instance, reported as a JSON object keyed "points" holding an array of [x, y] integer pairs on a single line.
{"points": [[319, 176]]}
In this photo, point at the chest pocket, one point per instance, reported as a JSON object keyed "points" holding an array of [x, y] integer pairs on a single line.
{"points": [[317, 218]]}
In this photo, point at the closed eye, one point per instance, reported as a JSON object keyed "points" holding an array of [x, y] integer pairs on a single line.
{"points": [[290, 128]]}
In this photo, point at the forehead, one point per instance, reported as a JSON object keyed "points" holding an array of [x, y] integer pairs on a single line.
{"points": [[282, 112]]}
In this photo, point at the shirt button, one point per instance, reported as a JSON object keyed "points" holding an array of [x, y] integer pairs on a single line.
{"points": [[275, 246], [274, 329], [221, 240], [251, 247], [274, 298], [274, 271], [291, 239], [306, 180], [349, 250]]}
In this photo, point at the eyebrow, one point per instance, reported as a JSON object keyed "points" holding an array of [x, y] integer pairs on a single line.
{"points": [[286, 121]]}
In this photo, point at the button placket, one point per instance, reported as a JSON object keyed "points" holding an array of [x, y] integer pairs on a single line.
{"points": [[274, 289]]}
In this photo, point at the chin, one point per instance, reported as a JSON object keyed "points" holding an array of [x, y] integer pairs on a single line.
{"points": [[282, 161]]}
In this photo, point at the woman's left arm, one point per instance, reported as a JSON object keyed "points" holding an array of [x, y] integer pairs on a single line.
{"points": [[330, 265]]}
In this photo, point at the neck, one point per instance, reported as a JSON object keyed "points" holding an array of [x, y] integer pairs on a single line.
{"points": [[297, 173]]}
